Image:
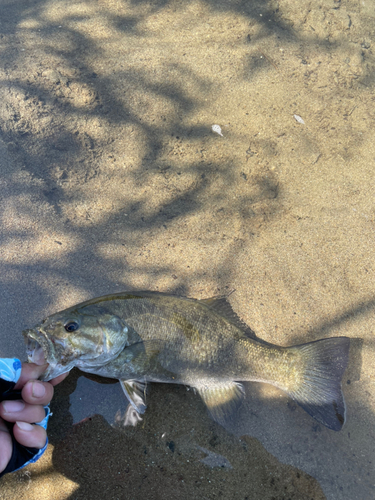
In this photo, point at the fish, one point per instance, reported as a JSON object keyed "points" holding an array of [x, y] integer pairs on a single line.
{"points": [[138, 337]]}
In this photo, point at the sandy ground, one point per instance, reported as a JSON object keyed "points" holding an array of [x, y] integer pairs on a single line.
{"points": [[112, 179]]}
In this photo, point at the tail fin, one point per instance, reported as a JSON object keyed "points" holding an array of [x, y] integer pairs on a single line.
{"points": [[320, 394]]}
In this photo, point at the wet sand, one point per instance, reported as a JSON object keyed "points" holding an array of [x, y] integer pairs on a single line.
{"points": [[112, 179]]}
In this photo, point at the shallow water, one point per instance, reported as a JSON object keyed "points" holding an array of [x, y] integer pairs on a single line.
{"points": [[113, 179], [177, 424]]}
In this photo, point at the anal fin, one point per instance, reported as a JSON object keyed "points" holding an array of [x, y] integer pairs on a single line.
{"points": [[222, 399]]}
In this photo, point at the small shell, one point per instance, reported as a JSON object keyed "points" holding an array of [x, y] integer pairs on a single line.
{"points": [[217, 129], [299, 119]]}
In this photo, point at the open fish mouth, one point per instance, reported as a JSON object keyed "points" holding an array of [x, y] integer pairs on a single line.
{"points": [[41, 349], [35, 352]]}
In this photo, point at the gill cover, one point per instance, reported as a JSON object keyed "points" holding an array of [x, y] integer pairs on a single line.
{"points": [[97, 337]]}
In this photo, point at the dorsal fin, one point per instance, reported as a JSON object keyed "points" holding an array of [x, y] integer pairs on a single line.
{"points": [[222, 306]]}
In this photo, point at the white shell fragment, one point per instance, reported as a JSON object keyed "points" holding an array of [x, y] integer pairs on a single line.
{"points": [[299, 119], [217, 129]]}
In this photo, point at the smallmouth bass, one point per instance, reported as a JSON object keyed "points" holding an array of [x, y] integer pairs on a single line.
{"points": [[140, 337]]}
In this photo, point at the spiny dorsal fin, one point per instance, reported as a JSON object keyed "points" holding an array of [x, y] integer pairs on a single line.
{"points": [[222, 399], [222, 306]]}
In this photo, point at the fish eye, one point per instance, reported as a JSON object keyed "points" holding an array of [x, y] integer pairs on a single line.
{"points": [[71, 326]]}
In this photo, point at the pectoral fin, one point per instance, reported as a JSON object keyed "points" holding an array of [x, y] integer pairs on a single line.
{"points": [[222, 399], [135, 392]]}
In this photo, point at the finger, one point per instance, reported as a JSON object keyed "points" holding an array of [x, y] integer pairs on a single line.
{"points": [[30, 371], [59, 379], [32, 436], [3, 427], [6, 445], [36, 392], [15, 411]]}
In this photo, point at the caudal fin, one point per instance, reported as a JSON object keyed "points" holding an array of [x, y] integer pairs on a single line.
{"points": [[323, 363]]}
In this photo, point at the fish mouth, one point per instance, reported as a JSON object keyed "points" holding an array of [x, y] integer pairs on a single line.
{"points": [[40, 349], [35, 352]]}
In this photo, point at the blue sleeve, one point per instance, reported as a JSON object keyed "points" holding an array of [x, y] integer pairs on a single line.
{"points": [[10, 371]]}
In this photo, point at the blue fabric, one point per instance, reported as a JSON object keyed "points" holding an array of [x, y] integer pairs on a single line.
{"points": [[10, 372], [43, 423], [10, 369]]}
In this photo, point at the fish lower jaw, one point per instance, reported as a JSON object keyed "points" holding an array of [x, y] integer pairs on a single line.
{"points": [[54, 370]]}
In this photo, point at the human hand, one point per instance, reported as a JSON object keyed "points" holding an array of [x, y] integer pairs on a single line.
{"points": [[25, 412]]}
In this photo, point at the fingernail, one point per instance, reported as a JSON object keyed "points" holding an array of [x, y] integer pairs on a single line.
{"points": [[38, 390], [25, 426], [13, 406]]}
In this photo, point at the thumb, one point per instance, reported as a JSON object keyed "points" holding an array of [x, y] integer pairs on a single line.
{"points": [[30, 371]]}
